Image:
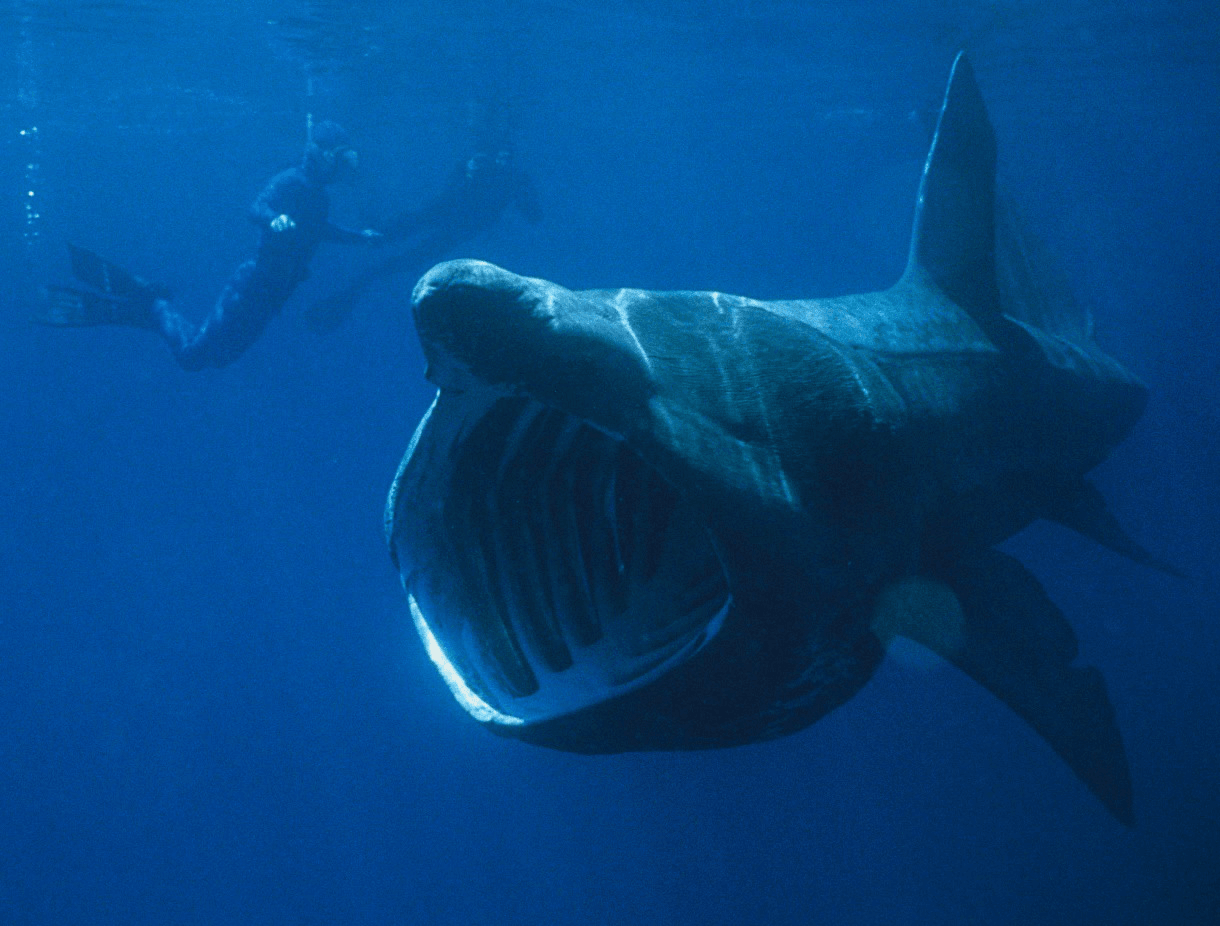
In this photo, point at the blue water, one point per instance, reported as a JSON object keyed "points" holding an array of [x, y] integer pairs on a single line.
{"points": [[213, 708]]}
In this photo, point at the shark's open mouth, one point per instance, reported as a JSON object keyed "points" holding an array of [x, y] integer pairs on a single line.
{"points": [[548, 567]]}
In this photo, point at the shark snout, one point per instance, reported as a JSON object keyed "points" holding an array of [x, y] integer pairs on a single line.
{"points": [[482, 325], [473, 320]]}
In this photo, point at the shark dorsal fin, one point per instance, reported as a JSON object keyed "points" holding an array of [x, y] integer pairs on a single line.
{"points": [[953, 244]]}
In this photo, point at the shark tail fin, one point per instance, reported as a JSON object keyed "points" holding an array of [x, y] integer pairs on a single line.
{"points": [[991, 618], [953, 242]]}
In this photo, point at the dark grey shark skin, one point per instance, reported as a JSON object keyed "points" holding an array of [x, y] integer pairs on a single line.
{"points": [[641, 520]]}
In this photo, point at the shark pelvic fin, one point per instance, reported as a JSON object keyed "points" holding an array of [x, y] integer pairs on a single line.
{"points": [[953, 242], [991, 619], [1082, 508]]}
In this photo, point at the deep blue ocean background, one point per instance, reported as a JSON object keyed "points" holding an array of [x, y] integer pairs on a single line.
{"points": [[213, 707]]}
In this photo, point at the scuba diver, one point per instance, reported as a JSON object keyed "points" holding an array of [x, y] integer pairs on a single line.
{"points": [[292, 214], [477, 194]]}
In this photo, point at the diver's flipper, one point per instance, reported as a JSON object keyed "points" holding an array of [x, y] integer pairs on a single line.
{"points": [[1083, 509], [65, 307], [1008, 636], [109, 279], [99, 273], [329, 314]]}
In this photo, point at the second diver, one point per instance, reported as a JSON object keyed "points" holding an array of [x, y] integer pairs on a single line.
{"points": [[479, 191]]}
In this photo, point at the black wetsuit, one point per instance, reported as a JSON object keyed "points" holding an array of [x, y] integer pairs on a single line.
{"points": [[477, 194], [259, 288]]}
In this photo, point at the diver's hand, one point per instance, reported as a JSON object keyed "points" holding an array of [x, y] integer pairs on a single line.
{"points": [[372, 236], [282, 223]]}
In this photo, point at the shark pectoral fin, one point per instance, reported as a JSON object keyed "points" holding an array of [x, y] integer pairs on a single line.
{"points": [[991, 619], [1083, 509]]}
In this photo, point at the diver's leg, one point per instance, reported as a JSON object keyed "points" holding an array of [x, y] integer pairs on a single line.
{"points": [[184, 337], [248, 302], [196, 346]]}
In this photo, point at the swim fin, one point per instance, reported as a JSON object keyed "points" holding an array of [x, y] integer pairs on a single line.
{"points": [[101, 274], [109, 278], [66, 307]]}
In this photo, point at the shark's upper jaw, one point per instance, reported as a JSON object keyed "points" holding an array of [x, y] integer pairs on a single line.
{"points": [[547, 566], [472, 322], [482, 326]]}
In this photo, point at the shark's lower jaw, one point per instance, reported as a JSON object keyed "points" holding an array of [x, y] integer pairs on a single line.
{"points": [[547, 566]]}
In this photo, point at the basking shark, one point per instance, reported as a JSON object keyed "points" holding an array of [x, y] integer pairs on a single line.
{"points": [[639, 520]]}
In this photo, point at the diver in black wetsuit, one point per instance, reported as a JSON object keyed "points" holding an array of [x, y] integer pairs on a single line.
{"points": [[477, 194], [292, 213]]}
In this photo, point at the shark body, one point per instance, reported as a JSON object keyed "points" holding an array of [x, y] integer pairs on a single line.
{"points": [[639, 520]]}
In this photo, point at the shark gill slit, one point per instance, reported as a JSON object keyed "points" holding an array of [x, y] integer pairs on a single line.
{"points": [[567, 534], [467, 515], [569, 570], [524, 579]]}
